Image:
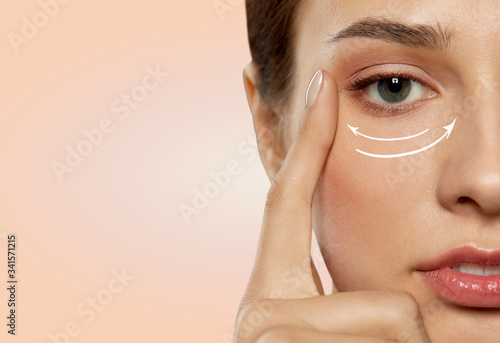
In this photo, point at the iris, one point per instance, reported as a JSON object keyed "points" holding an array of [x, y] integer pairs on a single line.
{"points": [[394, 90]]}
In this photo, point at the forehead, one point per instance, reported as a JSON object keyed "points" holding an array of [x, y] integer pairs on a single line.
{"points": [[330, 16]]}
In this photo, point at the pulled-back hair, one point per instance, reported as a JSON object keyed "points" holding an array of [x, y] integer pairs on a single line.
{"points": [[271, 33]]}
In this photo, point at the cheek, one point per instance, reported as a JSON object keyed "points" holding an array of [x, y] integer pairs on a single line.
{"points": [[362, 213]]}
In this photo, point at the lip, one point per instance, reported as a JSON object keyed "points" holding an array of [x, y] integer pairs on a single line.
{"points": [[461, 288]]}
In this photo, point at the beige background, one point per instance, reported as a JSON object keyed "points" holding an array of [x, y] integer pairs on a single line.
{"points": [[117, 210]]}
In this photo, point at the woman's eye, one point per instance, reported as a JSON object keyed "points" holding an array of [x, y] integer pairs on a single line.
{"points": [[396, 90]]}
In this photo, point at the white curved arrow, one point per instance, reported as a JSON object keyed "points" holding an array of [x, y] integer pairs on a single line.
{"points": [[355, 130], [448, 129]]}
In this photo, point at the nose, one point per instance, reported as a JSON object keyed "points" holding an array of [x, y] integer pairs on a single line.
{"points": [[470, 179]]}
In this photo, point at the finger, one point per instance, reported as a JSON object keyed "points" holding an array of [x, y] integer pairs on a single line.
{"points": [[392, 315], [389, 315], [299, 335], [285, 242]]}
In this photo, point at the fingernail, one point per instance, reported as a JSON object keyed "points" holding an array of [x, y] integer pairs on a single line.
{"points": [[314, 87]]}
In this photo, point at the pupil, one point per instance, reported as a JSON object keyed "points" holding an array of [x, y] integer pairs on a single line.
{"points": [[395, 85]]}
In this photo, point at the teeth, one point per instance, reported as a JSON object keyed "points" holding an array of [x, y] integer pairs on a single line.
{"points": [[491, 271], [475, 269]]}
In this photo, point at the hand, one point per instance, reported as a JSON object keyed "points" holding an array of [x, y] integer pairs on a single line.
{"points": [[284, 300]]}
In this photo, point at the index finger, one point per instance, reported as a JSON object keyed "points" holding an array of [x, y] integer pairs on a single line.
{"points": [[285, 240]]}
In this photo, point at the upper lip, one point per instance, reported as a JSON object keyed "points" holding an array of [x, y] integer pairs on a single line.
{"points": [[468, 254]]}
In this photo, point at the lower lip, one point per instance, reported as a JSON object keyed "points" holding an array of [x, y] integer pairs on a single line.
{"points": [[465, 289]]}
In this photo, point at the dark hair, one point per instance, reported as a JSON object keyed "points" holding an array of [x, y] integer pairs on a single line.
{"points": [[271, 35]]}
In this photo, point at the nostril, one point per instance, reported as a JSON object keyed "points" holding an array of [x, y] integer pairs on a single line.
{"points": [[463, 200]]}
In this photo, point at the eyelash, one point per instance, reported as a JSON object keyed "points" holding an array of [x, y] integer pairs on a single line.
{"points": [[363, 82]]}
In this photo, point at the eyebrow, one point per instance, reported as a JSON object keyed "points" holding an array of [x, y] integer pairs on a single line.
{"points": [[418, 35]]}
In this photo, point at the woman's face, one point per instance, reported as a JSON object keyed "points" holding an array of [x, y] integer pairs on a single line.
{"points": [[381, 218]]}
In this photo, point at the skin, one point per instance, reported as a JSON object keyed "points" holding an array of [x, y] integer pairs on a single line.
{"points": [[377, 219]]}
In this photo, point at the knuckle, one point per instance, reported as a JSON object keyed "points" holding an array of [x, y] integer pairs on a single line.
{"points": [[276, 335], [408, 322], [404, 304], [253, 319], [286, 191], [274, 190], [277, 191]]}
